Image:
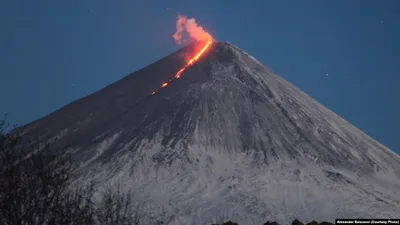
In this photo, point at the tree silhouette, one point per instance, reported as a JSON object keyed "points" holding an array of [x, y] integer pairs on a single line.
{"points": [[36, 189]]}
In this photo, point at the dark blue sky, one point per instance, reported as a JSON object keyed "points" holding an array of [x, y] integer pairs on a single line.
{"points": [[56, 51]]}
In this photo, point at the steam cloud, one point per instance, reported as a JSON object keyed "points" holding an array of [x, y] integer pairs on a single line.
{"points": [[195, 31]]}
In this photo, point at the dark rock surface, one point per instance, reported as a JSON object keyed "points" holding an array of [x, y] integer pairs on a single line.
{"points": [[230, 137]]}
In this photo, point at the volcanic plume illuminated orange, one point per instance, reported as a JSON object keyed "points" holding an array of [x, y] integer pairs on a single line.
{"points": [[196, 33]]}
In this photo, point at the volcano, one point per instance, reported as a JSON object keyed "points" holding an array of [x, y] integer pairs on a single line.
{"points": [[229, 139]]}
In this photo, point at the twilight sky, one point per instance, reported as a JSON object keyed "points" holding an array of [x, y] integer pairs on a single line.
{"points": [[345, 54]]}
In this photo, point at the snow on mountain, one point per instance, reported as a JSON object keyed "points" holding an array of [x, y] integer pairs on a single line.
{"points": [[229, 140]]}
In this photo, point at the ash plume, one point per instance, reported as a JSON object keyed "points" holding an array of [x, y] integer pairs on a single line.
{"points": [[195, 32]]}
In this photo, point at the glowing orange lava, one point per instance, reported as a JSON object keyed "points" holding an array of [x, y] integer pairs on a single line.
{"points": [[194, 59], [178, 74], [191, 61]]}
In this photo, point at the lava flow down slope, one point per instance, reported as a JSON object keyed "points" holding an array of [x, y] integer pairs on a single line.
{"points": [[225, 138]]}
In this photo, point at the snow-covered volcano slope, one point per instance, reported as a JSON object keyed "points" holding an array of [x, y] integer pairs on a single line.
{"points": [[229, 140]]}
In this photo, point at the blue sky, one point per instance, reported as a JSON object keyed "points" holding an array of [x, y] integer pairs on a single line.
{"points": [[56, 51]]}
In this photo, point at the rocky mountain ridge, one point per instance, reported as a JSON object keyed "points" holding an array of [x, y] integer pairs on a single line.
{"points": [[229, 139]]}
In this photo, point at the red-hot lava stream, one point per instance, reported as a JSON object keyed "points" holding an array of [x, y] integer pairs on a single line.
{"points": [[194, 59], [195, 32], [191, 61]]}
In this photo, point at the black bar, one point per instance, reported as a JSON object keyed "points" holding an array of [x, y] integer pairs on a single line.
{"points": [[367, 221]]}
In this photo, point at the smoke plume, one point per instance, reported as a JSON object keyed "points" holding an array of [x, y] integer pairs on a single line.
{"points": [[190, 26]]}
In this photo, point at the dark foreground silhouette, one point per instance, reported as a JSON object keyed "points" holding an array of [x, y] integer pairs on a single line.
{"points": [[295, 222], [36, 189]]}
